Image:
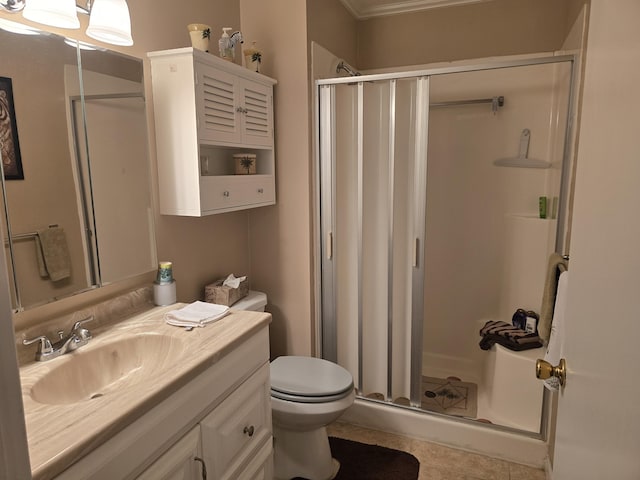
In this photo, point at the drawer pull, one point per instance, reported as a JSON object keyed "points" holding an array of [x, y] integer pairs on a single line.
{"points": [[261, 190], [226, 193], [249, 430], [204, 467]]}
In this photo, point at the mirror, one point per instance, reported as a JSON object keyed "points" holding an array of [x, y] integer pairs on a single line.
{"points": [[81, 216]]}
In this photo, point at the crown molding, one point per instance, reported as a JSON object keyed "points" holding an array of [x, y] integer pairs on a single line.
{"points": [[362, 9]]}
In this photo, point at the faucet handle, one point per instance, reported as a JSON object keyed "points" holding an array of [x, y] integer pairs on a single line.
{"points": [[45, 346], [77, 325]]}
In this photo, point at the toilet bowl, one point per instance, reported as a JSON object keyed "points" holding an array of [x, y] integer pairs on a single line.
{"points": [[307, 394]]}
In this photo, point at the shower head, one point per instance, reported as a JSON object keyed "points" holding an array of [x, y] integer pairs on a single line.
{"points": [[347, 68]]}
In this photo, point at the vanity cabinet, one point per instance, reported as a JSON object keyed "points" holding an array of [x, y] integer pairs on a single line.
{"points": [[207, 109], [179, 462], [226, 440], [219, 420]]}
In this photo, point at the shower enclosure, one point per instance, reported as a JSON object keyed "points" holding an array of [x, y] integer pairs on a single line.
{"points": [[430, 186]]}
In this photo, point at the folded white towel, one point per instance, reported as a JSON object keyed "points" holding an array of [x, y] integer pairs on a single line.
{"points": [[196, 314], [555, 348]]}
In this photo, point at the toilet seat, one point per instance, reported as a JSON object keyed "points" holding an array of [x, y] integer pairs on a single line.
{"points": [[309, 380]]}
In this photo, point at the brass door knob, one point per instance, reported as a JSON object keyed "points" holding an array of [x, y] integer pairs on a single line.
{"points": [[545, 370]]}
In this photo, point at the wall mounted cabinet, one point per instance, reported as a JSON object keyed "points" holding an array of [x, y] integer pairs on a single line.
{"points": [[206, 110]]}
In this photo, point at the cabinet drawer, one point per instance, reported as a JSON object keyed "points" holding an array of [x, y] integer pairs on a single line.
{"points": [[238, 426], [260, 190], [235, 192]]}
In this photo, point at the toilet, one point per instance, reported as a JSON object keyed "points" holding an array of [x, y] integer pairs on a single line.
{"points": [[307, 394]]}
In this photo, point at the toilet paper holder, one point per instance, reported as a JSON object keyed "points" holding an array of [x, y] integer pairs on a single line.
{"points": [[545, 370]]}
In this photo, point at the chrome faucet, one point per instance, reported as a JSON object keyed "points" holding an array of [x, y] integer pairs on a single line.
{"points": [[77, 337]]}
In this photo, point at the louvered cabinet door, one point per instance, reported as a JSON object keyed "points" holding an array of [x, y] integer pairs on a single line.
{"points": [[218, 101], [257, 113]]}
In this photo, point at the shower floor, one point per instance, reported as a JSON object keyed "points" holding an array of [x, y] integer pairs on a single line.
{"points": [[453, 395], [448, 395]]}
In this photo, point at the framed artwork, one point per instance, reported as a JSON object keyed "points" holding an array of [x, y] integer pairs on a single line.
{"points": [[9, 145]]}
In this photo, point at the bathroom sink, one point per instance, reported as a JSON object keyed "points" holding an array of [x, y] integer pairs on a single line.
{"points": [[95, 372]]}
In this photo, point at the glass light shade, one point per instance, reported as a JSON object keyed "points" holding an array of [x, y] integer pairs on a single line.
{"points": [[57, 13], [14, 27], [110, 22]]}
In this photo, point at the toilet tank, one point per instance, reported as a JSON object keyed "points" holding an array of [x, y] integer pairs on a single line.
{"points": [[254, 301]]}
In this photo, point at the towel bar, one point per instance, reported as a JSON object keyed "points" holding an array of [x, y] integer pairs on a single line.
{"points": [[22, 236]]}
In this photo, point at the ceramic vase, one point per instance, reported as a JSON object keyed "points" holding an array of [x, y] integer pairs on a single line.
{"points": [[252, 57], [200, 34]]}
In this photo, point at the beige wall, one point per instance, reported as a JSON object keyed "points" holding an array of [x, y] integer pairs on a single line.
{"points": [[332, 26], [202, 249], [274, 244], [280, 239], [499, 27]]}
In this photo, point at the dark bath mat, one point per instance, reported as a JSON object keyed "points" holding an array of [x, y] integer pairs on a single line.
{"points": [[360, 461]]}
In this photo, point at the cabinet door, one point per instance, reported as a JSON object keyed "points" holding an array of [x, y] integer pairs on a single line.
{"points": [[260, 467], [179, 462], [217, 100], [238, 427], [257, 113]]}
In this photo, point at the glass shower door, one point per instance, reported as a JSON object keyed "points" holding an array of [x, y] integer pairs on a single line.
{"points": [[373, 179]]}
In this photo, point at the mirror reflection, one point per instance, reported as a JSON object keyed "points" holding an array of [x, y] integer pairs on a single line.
{"points": [[81, 216]]}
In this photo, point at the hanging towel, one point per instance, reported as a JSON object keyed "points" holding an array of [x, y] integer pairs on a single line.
{"points": [[196, 314], [513, 338], [556, 265], [556, 339], [42, 268], [53, 253]]}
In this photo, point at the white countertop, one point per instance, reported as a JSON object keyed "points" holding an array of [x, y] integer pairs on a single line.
{"points": [[59, 435]]}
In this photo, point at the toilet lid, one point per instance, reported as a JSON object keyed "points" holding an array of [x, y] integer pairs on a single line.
{"points": [[309, 377]]}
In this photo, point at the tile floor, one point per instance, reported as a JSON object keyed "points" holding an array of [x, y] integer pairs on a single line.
{"points": [[438, 462]]}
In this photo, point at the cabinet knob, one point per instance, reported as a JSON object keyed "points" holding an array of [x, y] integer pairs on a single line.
{"points": [[226, 193], [249, 430], [261, 190]]}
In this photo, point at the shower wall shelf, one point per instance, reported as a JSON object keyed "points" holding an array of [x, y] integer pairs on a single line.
{"points": [[522, 160]]}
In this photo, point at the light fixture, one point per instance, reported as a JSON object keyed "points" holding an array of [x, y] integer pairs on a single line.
{"points": [[57, 13], [109, 20], [15, 27]]}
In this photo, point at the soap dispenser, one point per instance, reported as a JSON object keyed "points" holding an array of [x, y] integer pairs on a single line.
{"points": [[224, 45]]}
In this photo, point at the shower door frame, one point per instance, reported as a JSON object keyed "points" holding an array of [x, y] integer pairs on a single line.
{"points": [[325, 210]]}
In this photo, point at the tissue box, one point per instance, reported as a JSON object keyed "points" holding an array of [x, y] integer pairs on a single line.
{"points": [[223, 295]]}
